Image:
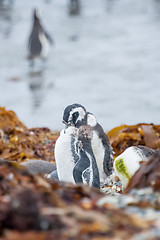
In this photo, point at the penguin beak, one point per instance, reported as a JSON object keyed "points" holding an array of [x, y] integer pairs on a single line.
{"points": [[68, 124], [64, 122]]}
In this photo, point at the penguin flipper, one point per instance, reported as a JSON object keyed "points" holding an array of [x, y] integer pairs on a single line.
{"points": [[108, 160], [50, 39]]}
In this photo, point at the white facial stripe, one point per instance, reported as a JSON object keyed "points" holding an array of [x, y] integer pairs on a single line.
{"points": [[80, 111], [91, 120]]}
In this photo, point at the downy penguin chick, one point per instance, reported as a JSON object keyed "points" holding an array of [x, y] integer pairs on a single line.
{"points": [[39, 40], [86, 170], [127, 163]]}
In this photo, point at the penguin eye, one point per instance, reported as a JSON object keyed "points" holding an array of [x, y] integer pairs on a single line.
{"points": [[75, 117]]}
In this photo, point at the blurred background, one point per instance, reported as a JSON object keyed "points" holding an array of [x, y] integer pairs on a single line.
{"points": [[103, 54]]}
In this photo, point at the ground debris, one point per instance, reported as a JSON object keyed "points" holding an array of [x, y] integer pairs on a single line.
{"points": [[31, 207], [31, 204], [148, 175], [17, 143], [126, 136]]}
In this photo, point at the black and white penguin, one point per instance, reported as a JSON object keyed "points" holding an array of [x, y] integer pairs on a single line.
{"points": [[86, 169], [101, 148], [74, 7], [127, 163], [74, 157], [39, 40], [66, 153], [76, 115]]}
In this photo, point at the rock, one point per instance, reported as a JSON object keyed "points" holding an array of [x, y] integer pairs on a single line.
{"points": [[148, 175]]}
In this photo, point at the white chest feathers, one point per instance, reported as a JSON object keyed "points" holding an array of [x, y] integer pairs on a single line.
{"points": [[45, 45], [99, 151], [64, 154]]}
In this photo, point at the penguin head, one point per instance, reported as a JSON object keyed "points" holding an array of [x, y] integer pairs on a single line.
{"points": [[74, 115], [36, 20], [35, 15], [91, 120]]}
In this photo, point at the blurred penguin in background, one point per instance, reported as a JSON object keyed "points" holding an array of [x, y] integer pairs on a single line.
{"points": [[74, 7], [39, 40]]}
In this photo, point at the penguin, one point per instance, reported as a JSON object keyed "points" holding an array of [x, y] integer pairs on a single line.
{"points": [[74, 157], [66, 153], [127, 163], [76, 115], [86, 169], [39, 40], [101, 148], [74, 7]]}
